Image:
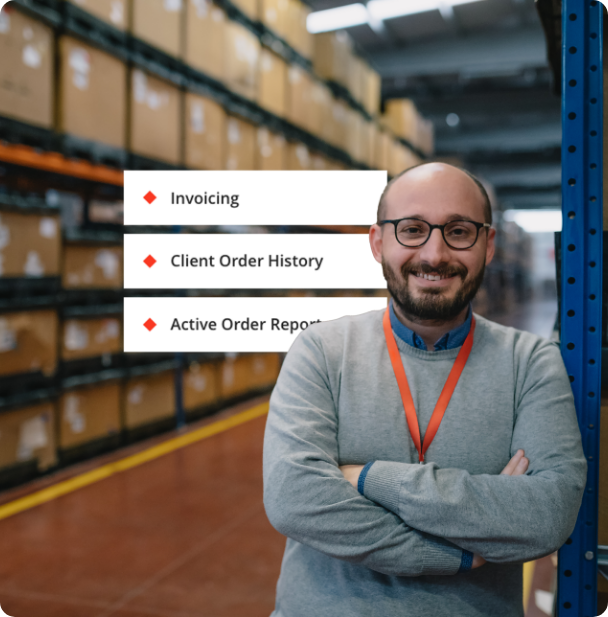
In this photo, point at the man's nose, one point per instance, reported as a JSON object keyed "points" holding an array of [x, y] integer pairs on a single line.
{"points": [[435, 250]]}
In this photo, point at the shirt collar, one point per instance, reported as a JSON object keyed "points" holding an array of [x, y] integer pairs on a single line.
{"points": [[450, 340]]}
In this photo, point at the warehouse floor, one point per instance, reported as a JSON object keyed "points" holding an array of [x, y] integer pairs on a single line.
{"points": [[180, 531]]}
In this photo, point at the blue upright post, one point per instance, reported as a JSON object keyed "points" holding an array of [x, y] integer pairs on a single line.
{"points": [[581, 308]]}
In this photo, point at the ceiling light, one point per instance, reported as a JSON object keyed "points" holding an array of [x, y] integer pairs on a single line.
{"points": [[389, 9], [452, 120], [336, 19], [536, 221]]}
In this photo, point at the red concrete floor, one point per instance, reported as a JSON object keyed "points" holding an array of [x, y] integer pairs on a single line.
{"points": [[184, 535]]}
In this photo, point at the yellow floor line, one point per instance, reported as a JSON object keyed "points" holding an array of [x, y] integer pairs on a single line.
{"points": [[90, 477], [528, 576]]}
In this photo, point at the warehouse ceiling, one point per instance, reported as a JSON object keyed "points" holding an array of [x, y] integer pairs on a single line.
{"points": [[479, 70]]}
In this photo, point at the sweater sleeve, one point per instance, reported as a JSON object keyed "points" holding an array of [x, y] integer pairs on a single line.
{"points": [[306, 495], [502, 518]]}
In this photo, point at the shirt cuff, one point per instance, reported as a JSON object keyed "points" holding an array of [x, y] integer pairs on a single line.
{"points": [[467, 561], [362, 476]]}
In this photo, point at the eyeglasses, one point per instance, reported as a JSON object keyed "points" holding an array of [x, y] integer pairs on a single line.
{"points": [[458, 235]]}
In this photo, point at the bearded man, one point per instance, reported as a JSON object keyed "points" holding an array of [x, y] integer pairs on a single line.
{"points": [[416, 456]]}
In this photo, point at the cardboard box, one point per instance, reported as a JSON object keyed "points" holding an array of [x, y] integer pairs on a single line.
{"points": [[372, 84], [298, 157], [235, 376], [113, 12], [30, 245], [149, 398], [382, 150], [340, 125], [271, 150], [205, 133], [159, 23], [204, 37], [28, 433], [354, 76], [367, 142], [28, 342], [88, 414], [90, 337], [274, 15], [201, 385], [354, 137], [92, 93], [27, 60], [318, 162], [331, 56], [320, 107], [425, 138], [241, 57], [240, 144], [156, 109], [273, 83], [299, 96], [401, 117], [92, 266], [296, 33]]}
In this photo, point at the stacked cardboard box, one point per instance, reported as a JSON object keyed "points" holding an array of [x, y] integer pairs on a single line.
{"points": [[241, 57], [30, 245], [298, 157], [205, 133], [331, 57], [27, 61], [114, 12], [201, 385], [92, 266], [28, 342], [271, 150], [28, 434], [403, 119], [149, 399], [90, 337], [159, 23], [203, 45], [88, 414], [92, 93], [273, 83], [240, 144]]}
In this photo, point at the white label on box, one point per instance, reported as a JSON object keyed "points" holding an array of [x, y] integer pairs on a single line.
{"points": [[48, 227], [201, 7], [264, 197], [234, 134], [76, 337], [202, 325], [251, 261], [72, 415], [136, 395], [140, 86], [32, 436], [33, 264], [173, 6], [108, 262], [5, 236], [80, 63], [32, 57], [197, 118], [8, 336], [117, 12]]}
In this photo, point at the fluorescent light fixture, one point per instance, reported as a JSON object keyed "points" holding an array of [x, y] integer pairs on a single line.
{"points": [[536, 221], [357, 14], [336, 19], [389, 9]]}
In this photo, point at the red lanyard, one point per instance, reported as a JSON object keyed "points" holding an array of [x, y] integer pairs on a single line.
{"points": [[406, 395]]}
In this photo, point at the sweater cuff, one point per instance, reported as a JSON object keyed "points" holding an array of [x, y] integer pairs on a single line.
{"points": [[467, 561], [383, 484], [441, 557], [362, 476]]}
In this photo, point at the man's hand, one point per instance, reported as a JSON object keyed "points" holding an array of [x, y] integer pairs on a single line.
{"points": [[352, 473], [517, 466]]}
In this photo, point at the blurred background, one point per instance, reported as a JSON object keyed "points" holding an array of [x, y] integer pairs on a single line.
{"points": [[89, 88]]}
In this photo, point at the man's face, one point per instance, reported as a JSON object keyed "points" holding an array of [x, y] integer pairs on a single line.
{"points": [[433, 282]]}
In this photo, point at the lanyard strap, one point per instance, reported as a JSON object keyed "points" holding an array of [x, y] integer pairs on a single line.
{"points": [[406, 395]]}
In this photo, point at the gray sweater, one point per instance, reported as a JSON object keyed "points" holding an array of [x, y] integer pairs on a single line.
{"points": [[396, 551]]}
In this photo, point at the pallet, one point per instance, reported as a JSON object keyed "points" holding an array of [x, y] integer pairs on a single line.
{"points": [[86, 366], [97, 32], [17, 132], [131, 435], [32, 291], [97, 153], [23, 388], [157, 62], [139, 163], [15, 201]]}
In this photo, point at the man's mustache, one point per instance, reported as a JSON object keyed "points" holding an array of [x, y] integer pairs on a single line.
{"points": [[437, 270]]}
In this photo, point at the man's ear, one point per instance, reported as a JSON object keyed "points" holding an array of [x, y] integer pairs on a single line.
{"points": [[490, 245], [375, 241]]}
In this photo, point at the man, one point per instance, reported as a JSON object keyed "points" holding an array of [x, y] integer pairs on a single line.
{"points": [[371, 531]]}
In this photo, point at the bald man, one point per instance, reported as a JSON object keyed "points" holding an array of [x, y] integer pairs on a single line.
{"points": [[416, 456]]}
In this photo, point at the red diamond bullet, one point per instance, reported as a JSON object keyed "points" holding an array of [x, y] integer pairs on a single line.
{"points": [[150, 325], [150, 197], [149, 261]]}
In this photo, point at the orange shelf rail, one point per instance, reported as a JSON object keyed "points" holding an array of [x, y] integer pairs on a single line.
{"points": [[59, 164]]}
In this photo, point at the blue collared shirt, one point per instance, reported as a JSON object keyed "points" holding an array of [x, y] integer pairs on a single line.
{"points": [[450, 340]]}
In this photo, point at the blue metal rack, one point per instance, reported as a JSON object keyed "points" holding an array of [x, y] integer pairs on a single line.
{"points": [[581, 304]]}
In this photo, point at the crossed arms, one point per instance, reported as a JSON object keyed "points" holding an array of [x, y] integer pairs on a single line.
{"points": [[415, 519]]}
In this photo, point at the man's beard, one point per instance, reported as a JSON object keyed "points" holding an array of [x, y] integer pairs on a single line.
{"points": [[431, 305]]}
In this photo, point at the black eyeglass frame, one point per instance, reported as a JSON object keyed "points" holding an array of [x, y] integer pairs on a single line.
{"points": [[440, 227]]}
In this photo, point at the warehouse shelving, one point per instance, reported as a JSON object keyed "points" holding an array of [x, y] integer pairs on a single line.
{"points": [[581, 281]]}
